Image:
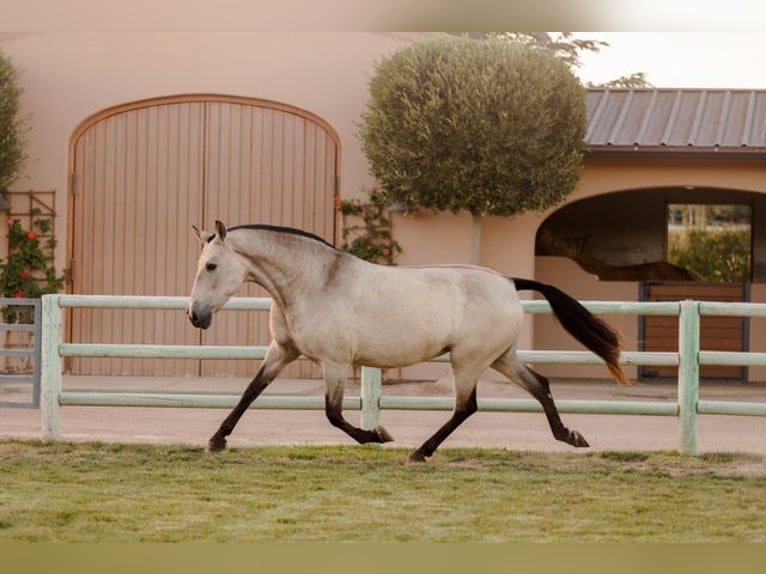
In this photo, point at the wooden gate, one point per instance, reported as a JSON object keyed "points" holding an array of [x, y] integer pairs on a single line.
{"points": [[143, 173], [717, 333]]}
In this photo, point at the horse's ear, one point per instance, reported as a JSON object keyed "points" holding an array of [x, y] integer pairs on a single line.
{"points": [[203, 236], [220, 230]]}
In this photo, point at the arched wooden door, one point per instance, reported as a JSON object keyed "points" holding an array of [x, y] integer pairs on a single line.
{"points": [[143, 173]]}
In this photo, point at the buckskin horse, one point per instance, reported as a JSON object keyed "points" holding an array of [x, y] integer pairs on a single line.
{"points": [[341, 311]]}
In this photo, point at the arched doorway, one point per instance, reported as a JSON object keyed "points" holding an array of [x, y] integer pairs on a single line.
{"points": [[624, 237], [142, 173], [620, 235]]}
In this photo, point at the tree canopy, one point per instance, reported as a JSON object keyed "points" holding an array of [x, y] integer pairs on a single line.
{"points": [[490, 126], [11, 132], [569, 49]]}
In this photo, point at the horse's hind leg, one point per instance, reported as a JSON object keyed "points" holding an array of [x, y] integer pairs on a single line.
{"points": [[538, 386], [335, 380], [277, 358]]}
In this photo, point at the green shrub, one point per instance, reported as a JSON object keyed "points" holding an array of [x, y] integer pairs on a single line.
{"points": [[715, 255], [491, 127]]}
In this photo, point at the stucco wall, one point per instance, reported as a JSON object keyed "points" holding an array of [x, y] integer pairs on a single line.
{"points": [[68, 76], [606, 175]]}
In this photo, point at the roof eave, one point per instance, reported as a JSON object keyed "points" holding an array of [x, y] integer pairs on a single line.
{"points": [[675, 152]]}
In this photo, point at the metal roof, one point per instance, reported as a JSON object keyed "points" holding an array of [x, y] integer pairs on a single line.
{"points": [[649, 120]]}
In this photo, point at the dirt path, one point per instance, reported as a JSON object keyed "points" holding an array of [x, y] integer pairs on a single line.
{"points": [[409, 428]]}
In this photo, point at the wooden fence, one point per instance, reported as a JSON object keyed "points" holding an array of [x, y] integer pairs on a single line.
{"points": [[688, 360]]}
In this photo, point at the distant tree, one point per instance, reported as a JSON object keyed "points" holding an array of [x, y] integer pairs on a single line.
{"points": [[490, 126], [635, 80], [562, 45], [568, 49], [12, 133]]}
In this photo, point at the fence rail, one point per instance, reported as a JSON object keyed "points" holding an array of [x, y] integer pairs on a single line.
{"points": [[688, 359]]}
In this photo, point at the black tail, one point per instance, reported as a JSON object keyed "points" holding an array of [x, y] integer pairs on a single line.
{"points": [[588, 329]]}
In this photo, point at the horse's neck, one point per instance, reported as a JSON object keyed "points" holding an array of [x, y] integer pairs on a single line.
{"points": [[284, 265]]}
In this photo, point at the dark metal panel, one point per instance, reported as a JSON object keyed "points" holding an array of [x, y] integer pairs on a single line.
{"points": [[726, 121]]}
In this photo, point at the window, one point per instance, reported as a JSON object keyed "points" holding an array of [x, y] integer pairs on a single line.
{"points": [[714, 242]]}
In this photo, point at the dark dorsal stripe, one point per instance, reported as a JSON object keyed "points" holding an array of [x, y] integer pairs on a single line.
{"points": [[281, 229]]}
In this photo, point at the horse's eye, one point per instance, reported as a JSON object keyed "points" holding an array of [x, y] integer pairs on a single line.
{"points": [[211, 266]]}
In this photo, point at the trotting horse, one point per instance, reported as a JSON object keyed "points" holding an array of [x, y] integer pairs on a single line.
{"points": [[340, 311]]}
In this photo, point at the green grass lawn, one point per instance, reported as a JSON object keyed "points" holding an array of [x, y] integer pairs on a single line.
{"points": [[116, 492]]}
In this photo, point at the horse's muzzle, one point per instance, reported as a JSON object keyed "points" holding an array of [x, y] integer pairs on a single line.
{"points": [[200, 317]]}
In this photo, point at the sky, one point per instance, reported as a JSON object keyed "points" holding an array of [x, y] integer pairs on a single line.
{"points": [[680, 59], [687, 54]]}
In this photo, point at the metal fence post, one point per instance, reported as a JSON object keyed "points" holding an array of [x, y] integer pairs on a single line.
{"points": [[50, 371], [688, 375], [37, 353], [372, 388]]}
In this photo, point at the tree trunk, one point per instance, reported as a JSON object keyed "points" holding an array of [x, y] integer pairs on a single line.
{"points": [[475, 238]]}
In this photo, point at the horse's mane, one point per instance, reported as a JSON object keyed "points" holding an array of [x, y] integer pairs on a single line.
{"points": [[281, 229]]}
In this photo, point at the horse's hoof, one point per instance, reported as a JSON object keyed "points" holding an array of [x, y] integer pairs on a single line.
{"points": [[416, 456], [576, 439], [383, 434], [216, 444]]}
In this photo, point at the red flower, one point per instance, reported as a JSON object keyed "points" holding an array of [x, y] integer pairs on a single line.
{"points": [[19, 295], [24, 273], [31, 235]]}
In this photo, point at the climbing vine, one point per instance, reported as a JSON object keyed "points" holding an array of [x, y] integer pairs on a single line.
{"points": [[370, 240], [29, 271]]}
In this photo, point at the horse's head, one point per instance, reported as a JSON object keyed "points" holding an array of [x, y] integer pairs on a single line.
{"points": [[220, 273]]}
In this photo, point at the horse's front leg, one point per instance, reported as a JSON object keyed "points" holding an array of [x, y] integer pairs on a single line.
{"points": [[277, 358], [335, 380], [465, 406]]}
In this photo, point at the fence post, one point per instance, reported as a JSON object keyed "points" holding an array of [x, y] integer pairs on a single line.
{"points": [[688, 375], [50, 368], [37, 358], [372, 388]]}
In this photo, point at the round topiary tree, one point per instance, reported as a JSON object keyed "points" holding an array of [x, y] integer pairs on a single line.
{"points": [[487, 126], [11, 130]]}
